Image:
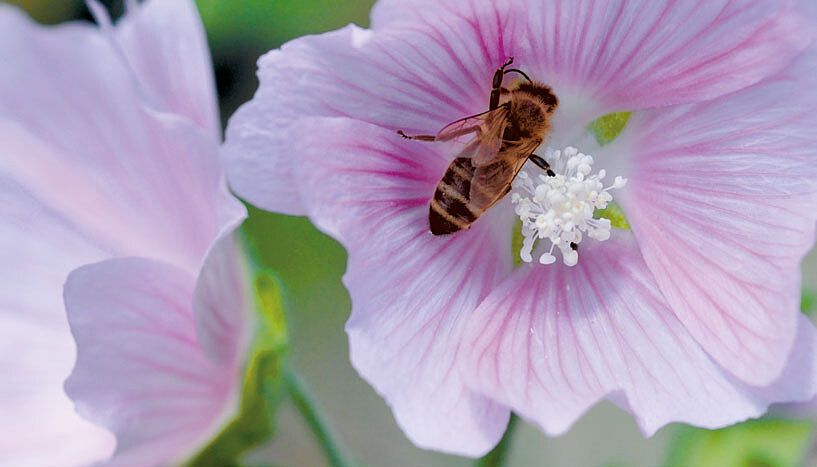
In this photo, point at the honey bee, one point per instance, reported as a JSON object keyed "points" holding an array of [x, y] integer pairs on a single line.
{"points": [[500, 141]]}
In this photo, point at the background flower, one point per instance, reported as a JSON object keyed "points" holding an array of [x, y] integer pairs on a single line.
{"points": [[110, 140], [419, 68]]}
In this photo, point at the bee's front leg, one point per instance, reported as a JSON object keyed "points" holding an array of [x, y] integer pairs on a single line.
{"points": [[543, 164], [417, 137]]}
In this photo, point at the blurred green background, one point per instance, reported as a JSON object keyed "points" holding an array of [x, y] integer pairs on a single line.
{"points": [[311, 265]]}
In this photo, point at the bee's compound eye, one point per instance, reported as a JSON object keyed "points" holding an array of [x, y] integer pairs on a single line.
{"points": [[574, 246]]}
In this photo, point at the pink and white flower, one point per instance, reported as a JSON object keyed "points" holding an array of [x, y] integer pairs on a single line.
{"points": [[691, 316], [109, 164]]}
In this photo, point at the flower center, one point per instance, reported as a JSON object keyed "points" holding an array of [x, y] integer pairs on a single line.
{"points": [[560, 207]]}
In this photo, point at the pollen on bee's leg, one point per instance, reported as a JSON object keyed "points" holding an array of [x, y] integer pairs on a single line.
{"points": [[559, 207]]}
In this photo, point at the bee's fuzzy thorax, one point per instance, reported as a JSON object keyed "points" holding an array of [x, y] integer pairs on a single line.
{"points": [[541, 92]]}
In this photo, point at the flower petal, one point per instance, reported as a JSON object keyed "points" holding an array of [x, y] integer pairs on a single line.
{"points": [[140, 370], [165, 45], [37, 252], [347, 72], [35, 359], [722, 199], [97, 156], [86, 172], [222, 300], [427, 63], [631, 54], [411, 291], [552, 341]]}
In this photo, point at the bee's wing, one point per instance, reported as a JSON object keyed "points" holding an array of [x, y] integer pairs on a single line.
{"points": [[492, 180], [485, 132], [473, 126]]}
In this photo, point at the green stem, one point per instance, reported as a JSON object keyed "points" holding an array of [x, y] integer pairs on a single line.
{"points": [[499, 454], [320, 427]]}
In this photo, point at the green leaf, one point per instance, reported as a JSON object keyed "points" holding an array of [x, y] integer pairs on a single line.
{"points": [[608, 127], [267, 23], [763, 442], [49, 11], [263, 386], [616, 216]]}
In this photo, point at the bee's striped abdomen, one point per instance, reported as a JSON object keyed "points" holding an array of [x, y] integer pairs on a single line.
{"points": [[451, 209]]}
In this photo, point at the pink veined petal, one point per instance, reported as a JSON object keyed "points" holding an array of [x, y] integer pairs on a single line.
{"points": [[551, 342], [165, 45], [722, 199], [799, 409], [411, 291], [133, 180], [377, 78], [140, 370], [37, 251], [426, 64], [222, 300], [632, 54]]}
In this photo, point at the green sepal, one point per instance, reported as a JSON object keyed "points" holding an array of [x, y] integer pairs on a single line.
{"points": [[808, 302], [608, 127], [263, 386], [615, 214], [516, 243], [498, 456], [272, 332], [764, 442]]}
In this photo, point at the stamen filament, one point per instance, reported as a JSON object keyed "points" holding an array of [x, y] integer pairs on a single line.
{"points": [[560, 207]]}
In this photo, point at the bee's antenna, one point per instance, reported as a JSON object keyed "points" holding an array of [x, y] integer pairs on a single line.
{"points": [[515, 70]]}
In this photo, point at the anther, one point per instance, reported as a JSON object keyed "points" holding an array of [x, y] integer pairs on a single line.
{"points": [[560, 207]]}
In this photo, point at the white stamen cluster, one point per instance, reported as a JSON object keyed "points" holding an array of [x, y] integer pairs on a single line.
{"points": [[560, 207]]}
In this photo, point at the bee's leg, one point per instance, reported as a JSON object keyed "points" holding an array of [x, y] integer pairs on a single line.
{"points": [[496, 85], [543, 164], [417, 137]]}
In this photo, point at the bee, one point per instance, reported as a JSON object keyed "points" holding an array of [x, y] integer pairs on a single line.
{"points": [[499, 142]]}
